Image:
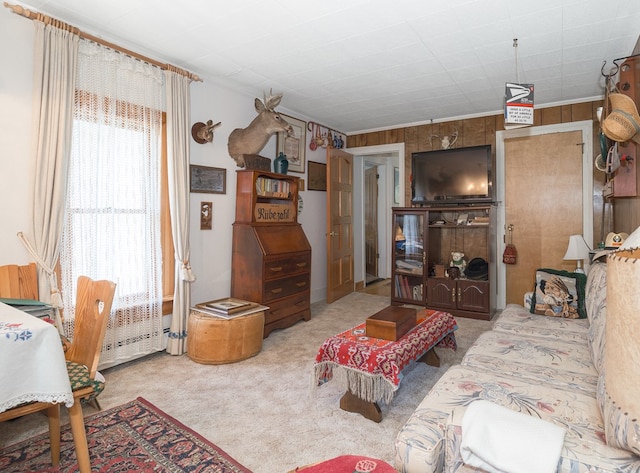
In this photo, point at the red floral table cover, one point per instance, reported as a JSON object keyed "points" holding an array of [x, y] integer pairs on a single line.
{"points": [[371, 368]]}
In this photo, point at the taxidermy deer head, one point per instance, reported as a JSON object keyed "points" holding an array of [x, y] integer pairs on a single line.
{"points": [[251, 140], [203, 133]]}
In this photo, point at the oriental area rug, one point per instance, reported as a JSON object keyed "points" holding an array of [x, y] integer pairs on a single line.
{"points": [[136, 436]]}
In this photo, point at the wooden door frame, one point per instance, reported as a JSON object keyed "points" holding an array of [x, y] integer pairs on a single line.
{"points": [[586, 127], [373, 215], [359, 156]]}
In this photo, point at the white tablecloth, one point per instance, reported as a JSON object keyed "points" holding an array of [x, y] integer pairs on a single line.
{"points": [[32, 364]]}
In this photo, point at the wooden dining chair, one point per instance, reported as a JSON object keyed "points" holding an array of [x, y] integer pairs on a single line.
{"points": [[83, 352], [19, 282], [93, 305]]}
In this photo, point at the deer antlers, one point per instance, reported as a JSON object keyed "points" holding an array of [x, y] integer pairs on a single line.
{"points": [[272, 101]]}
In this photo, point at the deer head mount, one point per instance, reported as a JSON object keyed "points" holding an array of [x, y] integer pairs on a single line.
{"points": [[251, 140], [203, 133]]}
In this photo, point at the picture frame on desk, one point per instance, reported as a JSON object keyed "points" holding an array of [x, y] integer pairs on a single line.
{"points": [[293, 146]]}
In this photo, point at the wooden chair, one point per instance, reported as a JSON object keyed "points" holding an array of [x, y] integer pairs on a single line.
{"points": [[19, 282], [83, 352], [93, 304]]}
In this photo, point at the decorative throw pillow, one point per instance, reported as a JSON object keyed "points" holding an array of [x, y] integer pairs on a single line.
{"points": [[348, 464], [559, 294]]}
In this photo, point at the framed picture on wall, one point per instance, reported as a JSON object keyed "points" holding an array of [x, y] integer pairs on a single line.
{"points": [[208, 180], [317, 178], [293, 146]]}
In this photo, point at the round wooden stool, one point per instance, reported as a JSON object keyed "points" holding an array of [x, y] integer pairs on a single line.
{"points": [[214, 340]]}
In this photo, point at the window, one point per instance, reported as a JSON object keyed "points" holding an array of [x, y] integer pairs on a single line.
{"points": [[117, 208]]}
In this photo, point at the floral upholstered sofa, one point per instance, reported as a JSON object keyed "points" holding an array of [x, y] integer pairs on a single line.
{"points": [[550, 368]]}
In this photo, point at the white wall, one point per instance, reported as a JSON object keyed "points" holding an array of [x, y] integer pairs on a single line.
{"points": [[16, 169], [210, 249]]}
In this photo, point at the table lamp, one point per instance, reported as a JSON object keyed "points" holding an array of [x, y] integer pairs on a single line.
{"points": [[577, 250]]}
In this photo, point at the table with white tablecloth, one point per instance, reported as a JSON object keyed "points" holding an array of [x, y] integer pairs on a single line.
{"points": [[32, 363]]}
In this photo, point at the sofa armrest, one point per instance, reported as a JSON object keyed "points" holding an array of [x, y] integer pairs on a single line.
{"points": [[453, 438]]}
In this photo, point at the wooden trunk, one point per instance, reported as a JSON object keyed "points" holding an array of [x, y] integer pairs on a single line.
{"points": [[391, 323]]}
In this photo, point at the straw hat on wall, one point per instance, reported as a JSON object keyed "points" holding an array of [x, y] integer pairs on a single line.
{"points": [[623, 122]]}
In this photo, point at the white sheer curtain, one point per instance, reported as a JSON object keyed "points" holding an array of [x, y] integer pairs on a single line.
{"points": [[55, 56], [178, 112], [112, 228]]}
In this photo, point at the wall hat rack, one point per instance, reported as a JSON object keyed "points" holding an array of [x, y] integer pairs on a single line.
{"points": [[324, 137]]}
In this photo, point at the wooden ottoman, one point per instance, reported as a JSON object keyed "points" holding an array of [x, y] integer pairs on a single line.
{"points": [[215, 340]]}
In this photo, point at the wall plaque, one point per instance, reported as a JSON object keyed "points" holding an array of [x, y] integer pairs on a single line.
{"points": [[273, 213]]}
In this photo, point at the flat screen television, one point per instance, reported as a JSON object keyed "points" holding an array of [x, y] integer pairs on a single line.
{"points": [[452, 176]]}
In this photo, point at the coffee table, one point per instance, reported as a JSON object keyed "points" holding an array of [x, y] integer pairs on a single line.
{"points": [[371, 368]]}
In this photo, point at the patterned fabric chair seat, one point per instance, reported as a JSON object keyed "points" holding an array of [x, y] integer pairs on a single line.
{"points": [[79, 378]]}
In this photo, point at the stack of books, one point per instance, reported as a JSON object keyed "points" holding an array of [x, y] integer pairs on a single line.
{"points": [[39, 309], [229, 307]]}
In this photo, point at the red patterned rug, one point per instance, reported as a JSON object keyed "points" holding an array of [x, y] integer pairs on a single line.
{"points": [[136, 436]]}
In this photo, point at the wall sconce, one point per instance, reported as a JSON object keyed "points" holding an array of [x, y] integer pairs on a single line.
{"points": [[578, 251], [203, 133]]}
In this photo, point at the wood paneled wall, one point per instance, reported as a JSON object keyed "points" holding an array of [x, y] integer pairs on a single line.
{"points": [[482, 130], [627, 209]]}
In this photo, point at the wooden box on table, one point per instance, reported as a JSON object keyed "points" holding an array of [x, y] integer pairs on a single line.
{"points": [[391, 323]]}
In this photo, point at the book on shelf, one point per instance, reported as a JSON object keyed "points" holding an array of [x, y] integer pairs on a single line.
{"points": [[273, 187], [407, 289]]}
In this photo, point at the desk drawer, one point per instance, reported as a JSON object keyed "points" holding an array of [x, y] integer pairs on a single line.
{"points": [[291, 305], [280, 267], [280, 288]]}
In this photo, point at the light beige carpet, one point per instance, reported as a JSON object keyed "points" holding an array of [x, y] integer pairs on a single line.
{"points": [[264, 411]]}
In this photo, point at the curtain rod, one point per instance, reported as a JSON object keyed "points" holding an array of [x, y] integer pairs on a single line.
{"points": [[48, 20]]}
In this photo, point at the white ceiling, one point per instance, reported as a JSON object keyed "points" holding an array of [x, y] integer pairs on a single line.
{"points": [[358, 65]]}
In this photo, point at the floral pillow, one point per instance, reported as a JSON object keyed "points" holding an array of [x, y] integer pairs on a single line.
{"points": [[559, 294]]}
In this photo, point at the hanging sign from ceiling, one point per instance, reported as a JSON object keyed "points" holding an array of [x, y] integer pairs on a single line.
{"points": [[518, 104]]}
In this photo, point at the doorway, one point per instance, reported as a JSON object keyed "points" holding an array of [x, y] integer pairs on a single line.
{"points": [[389, 160], [545, 154], [371, 237]]}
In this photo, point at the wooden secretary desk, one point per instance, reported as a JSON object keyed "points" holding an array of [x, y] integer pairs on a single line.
{"points": [[271, 258]]}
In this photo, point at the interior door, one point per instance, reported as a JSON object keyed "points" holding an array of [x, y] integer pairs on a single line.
{"points": [[371, 221], [543, 204], [340, 270]]}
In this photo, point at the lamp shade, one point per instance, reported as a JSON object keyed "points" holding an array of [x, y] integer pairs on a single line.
{"points": [[577, 249]]}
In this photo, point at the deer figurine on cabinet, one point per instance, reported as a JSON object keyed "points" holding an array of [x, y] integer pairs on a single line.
{"points": [[251, 140]]}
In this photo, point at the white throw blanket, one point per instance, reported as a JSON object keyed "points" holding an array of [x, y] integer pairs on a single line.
{"points": [[500, 440]]}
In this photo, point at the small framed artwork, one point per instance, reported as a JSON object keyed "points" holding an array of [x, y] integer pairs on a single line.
{"points": [[208, 180], [293, 146], [206, 215], [317, 178]]}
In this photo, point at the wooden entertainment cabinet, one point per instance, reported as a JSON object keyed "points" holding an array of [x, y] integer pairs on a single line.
{"points": [[423, 239], [271, 256]]}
